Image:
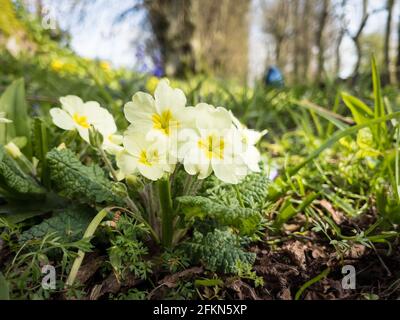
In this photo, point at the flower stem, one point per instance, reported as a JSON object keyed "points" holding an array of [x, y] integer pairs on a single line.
{"points": [[108, 164], [167, 214], [88, 233]]}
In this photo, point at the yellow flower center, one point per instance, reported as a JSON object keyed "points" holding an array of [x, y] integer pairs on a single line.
{"points": [[164, 122], [148, 159], [81, 120], [213, 146]]}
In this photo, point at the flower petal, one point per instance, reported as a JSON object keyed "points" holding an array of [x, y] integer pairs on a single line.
{"points": [[140, 109], [252, 158], [154, 172], [135, 141], [167, 97], [72, 104], [126, 162], [62, 119], [211, 118], [84, 133], [229, 170], [195, 162]]}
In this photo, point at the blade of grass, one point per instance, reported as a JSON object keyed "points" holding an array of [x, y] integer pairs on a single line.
{"points": [[334, 118], [339, 135], [379, 110], [335, 110], [318, 278]]}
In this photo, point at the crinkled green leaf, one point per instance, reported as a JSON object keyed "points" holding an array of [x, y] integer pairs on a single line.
{"points": [[246, 220], [15, 184], [74, 180], [68, 224], [253, 191], [219, 250]]}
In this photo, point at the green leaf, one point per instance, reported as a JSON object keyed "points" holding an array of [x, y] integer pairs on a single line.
{"points": [[219, 250], [40, 148], [18, 211], [73, 180], [288, 211], [360, 111], [332, 117], [246, 220], [339, 135], [13, 104], [252, 190], [4, 288], [208, 282], [14, 183], [69, 225], [379, 110], [376, 80]]}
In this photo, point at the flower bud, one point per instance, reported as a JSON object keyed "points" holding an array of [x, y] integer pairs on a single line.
{"points": [[120, 189], [13, 150], [95, 138], [134, 182]]}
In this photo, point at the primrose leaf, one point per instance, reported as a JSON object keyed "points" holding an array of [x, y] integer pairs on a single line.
{"points": [[68, 224], [14, 183], [244, 219], [219, 250], [74, 180]]}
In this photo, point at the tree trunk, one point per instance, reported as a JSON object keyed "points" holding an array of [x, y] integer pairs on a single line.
{"points": [[357, 39], [297, 39], [342, 32], [221, 37], [386, 53], [319, 39], [278, 50], [306, 45], [173, 30], [398, 53], [39, 8]]}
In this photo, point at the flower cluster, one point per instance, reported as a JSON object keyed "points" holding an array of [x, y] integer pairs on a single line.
{"points": [[164, 131]]}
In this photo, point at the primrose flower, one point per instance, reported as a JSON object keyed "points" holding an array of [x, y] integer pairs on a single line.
{"points": [[247, 148], [159, 117], [78, 115], [211, 145], [147, 157]]}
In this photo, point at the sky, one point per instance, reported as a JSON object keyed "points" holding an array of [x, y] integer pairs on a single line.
{"points": [[98, 37]]}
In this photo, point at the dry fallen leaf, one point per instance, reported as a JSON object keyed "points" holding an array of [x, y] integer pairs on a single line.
{"points": [[337, 216]]}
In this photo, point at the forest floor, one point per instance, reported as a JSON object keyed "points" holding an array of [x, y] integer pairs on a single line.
{"points": [[287, 265]]}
